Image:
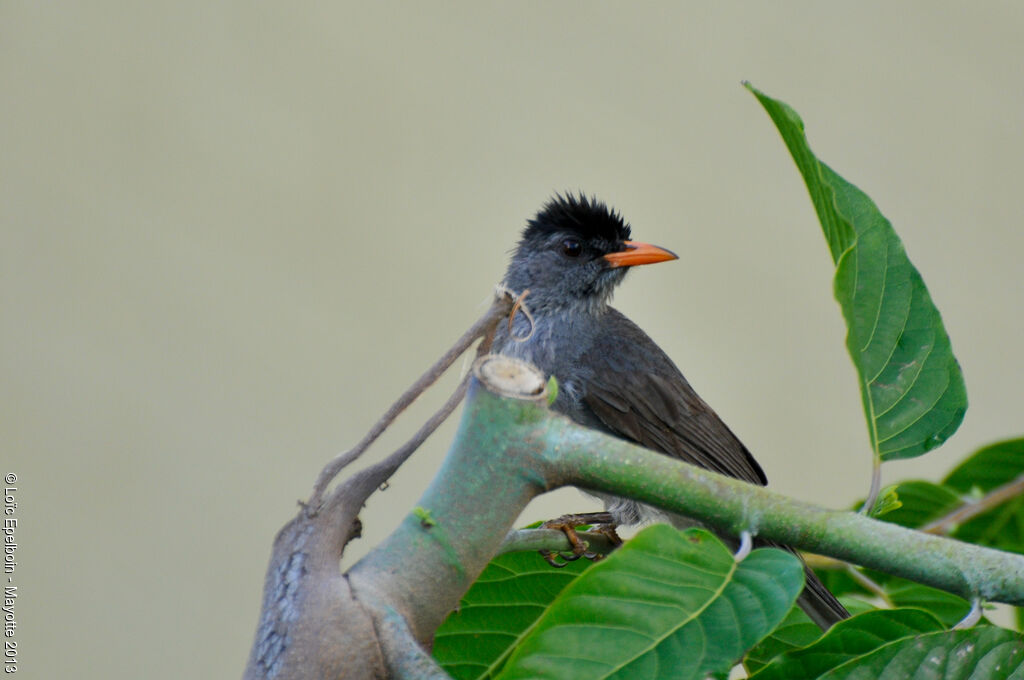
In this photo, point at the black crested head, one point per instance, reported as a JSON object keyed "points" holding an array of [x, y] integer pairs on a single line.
{"points": [[587, 217], [561, 257]]}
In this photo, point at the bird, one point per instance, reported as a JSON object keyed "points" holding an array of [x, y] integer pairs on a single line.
{"points": [[611, 375]]}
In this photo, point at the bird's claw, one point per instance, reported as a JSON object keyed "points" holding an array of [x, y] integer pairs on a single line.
{"points": [[609, 530], [552, 557], [567, 524]]}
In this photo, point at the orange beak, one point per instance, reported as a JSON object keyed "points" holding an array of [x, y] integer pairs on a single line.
{"points": [[639, 253]]}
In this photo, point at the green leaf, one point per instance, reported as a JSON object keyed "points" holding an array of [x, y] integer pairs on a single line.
{"points": [[552, 390], [1001, 528], [888, 501], [946, 607], [911, 385], [667, 604], [840, 582], [796, 631], [902, 644], [922, 502], [508, 597], [847, 640], [424, 516], [985, 653], [989, 467]]}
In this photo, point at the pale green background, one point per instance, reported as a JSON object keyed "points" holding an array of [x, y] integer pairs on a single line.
{"points": [[233, 232]]}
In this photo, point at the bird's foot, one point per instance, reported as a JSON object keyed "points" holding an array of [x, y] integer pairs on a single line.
{"points": [[609, 530], [568, 524]]}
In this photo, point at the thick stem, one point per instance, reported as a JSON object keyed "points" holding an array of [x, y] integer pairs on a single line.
{"points": [[507, 451], [611, 465], [437, 552]]}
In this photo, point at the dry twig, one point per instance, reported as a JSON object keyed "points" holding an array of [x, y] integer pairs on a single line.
{"points": [[484, 327], [949, 522]]}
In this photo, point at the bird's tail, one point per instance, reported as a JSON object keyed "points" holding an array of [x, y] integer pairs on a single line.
{"points": [[819, 603]]}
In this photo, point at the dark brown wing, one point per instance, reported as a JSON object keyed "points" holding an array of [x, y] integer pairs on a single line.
{"points": [[638, 393], [649, 402]]}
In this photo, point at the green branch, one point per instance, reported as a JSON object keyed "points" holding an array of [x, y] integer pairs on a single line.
{"points": [[509, 450]]}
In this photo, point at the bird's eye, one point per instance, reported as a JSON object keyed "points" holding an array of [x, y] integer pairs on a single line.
{"points": [[571, 247]]}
